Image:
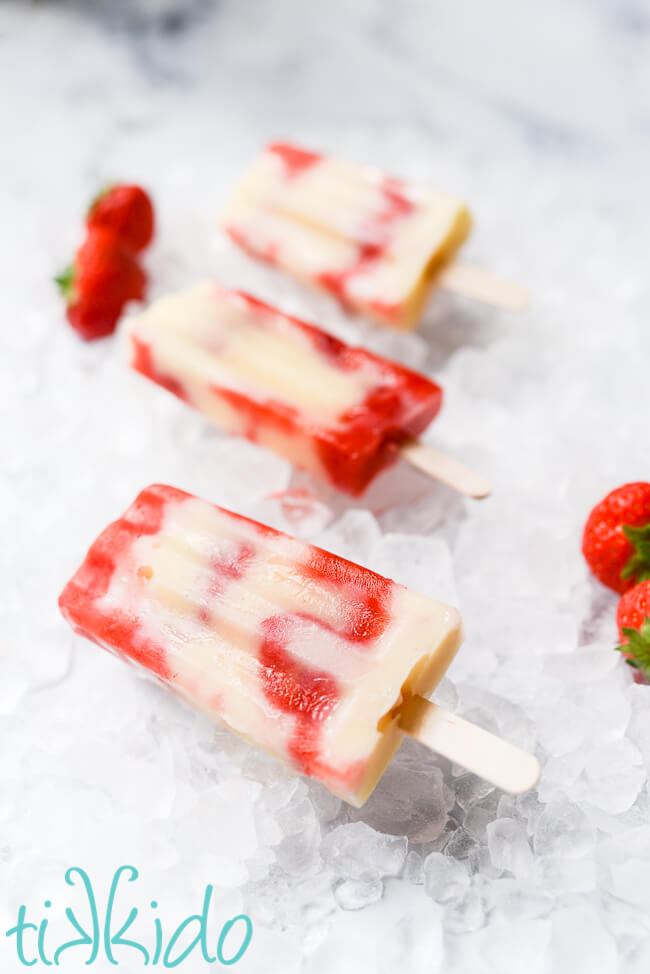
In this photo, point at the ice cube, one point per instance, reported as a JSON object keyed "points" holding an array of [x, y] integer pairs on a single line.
{"points": [[563, 829], [421, 563], [411, 798], [413, 871], [462, 845], [445, 879], [470, 790], [356, 849], [355, 894], [470, 913], [509, 847], [613, 776]]}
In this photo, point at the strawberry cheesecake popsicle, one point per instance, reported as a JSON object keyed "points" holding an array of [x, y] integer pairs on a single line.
{"points": [[373, 242], [339, 412], [315, 659]]}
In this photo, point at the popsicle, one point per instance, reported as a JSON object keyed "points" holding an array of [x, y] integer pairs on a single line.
{"points": [[321, 662], [377, 244], [339, 412]]}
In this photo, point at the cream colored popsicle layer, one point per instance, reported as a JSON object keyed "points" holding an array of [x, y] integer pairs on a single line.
{"points": [[340, 412], [374, 242], [299, 651]]}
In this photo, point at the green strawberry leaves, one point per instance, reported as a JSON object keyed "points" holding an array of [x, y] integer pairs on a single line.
{"points": [[638, 566], [637, 647], [65, 281]]}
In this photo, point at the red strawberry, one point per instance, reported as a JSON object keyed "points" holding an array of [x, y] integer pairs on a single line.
{"points": [[127, 211], [103, 278], [616, 540], [633, 620]]}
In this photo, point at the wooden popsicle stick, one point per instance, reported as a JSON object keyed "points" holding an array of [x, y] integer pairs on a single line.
{"points": [[443, 468], [484, 754], [475, 282]]}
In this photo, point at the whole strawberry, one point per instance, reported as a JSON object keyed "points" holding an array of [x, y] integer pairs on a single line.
{"points": [[633, 620], [616, 539], [127, 211], [104, 277]]}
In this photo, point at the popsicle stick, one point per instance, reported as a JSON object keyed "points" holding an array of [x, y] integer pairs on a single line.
{"points": [[490, 757], [443, 468], [475, 282]]}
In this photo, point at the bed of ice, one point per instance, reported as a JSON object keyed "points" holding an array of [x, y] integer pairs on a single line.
{"points": [[541, 121]]}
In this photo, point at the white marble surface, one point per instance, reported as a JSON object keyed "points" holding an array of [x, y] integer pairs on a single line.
{"points": [[539, 116]]}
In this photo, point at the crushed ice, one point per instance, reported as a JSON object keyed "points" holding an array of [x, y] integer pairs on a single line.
{"points": [[100, 767]]}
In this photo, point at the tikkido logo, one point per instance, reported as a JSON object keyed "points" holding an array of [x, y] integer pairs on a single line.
{"points": [[104, 938]]}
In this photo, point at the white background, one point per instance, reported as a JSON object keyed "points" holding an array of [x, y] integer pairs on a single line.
{"points": [[539, 116]]}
